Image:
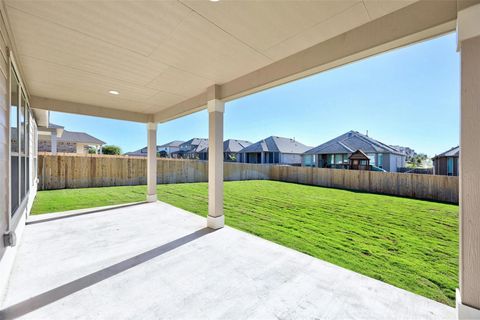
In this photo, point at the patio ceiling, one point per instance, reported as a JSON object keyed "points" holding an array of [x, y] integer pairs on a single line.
{"points": [[163, 55]]}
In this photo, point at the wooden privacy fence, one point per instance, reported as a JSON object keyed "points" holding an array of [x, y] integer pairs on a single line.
{"points": [[64, 171]]}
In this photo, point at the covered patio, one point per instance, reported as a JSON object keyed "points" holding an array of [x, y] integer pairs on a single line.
{"points": [[154, 61], [155, 261]]}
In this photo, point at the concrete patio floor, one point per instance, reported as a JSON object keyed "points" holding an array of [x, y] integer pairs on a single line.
{"points": [[152, 261]]}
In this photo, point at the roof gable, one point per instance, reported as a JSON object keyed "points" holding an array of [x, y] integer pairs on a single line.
{"points": [[351, 141], [452, 152], [276, 144], [175, 143]]}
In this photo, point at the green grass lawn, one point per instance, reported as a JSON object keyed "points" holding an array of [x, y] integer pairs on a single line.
{"points": [[408, 243]]}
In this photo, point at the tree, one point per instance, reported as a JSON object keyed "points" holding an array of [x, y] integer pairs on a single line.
{"points": [[92, 150], [111, 149], [418, 160]]}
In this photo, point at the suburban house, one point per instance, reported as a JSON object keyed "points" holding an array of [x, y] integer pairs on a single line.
{"points": [[277, 150], [336, 152], [191, 149], [151, 62], [56, 139], [165, 150], [447, 163], [231, 149]]}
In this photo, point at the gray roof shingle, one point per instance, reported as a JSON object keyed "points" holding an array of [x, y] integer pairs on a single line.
{"points": [[194, 145], [174, 143], [276, 144], [79, 137], [350, 142], [453, 152], [232, 145], [75, 137]]}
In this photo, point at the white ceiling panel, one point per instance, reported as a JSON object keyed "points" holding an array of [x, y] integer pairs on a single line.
{"points": [[180, 82], [67, 93], [48, 41], [138, 26], [379, 8], [347, 20], [263, 24], [43, 71], [205, 50]]}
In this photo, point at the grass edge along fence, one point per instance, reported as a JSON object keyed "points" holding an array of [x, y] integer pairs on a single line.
{"points": [[69, 171]]}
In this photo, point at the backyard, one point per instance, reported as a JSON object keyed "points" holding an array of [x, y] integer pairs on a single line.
{"points": [[411, 244]]}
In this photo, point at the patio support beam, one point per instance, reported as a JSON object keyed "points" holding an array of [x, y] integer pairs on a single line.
{"points": [[151, 162], [215, 219], [42, 103], [468, 32]]}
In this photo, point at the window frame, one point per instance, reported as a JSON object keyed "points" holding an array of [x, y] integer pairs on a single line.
{"points": [[14, 216]]}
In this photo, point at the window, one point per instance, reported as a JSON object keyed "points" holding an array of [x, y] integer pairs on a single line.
{"points": [[308, 160], [22, 147], [27, 144], [371, 156], [380, 160], [14, 145], [330, 159], [338, 159], [35, 152], [450, 166], [22, 150]]}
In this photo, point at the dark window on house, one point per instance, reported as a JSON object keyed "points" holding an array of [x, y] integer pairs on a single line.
{"points": [[450, 166]]}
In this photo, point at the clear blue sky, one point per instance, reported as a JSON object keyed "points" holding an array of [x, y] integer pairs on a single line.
{"points": [[408, 97]]}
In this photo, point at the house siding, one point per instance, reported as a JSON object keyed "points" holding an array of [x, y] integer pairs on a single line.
{"points": [[290, 158], [386, 162], [441, 167], [390, 161]]}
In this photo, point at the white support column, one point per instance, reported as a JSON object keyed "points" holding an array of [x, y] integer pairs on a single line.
{"points": [[215, 219], [468, 33], [53, 142], [151, 162]]}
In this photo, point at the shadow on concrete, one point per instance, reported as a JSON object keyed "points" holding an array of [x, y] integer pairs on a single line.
{"points": [[85, 213], [48, 297]]}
